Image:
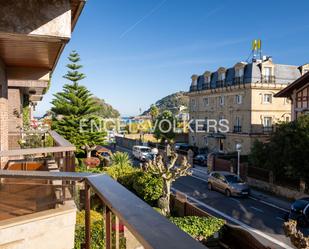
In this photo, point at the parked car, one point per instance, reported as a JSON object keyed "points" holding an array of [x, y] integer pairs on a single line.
{"points": [[142, 153], [200, 159], [184, 148], [228, 183], [300, 211]]}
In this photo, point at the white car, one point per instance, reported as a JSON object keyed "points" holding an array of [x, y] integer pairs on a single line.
{"points": [[142, 153]]}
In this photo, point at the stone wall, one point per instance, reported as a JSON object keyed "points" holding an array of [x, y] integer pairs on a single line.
{"points": [[14, 109], [3, 112], [277, 190]]}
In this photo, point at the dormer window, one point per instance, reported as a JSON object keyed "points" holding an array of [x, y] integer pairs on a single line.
{"points": [[268, 71], [221, 77], [207, 79], [239, 72]]}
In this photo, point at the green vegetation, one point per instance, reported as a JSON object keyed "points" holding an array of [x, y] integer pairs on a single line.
{"points": [[105, 110], [26, 111], [74, 110], [172, 102], [278, 155], [148, 187], [200, 228], [97, 230], [164, 127], [121, 158]]}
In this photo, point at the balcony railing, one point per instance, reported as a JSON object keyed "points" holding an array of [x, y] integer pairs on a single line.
{"points": [[193, 88], [238, 80], [268, 79], [237, 129], [120, 207], [62, 151], [268, 129], [220, 83]]}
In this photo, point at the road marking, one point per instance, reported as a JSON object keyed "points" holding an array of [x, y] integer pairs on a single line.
{"points": [[233, 199], [253, 198], [199, 170], [257, 209], [251, 229], [279, 218]]}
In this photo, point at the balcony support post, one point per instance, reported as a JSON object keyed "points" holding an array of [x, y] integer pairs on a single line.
{"points": [[108, 232], [87, 216]]}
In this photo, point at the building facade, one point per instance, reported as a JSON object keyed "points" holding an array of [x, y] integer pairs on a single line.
{"points": [[243, 96], [298, 93]]}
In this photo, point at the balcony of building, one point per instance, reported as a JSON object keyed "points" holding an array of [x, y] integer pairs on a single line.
{"points": [[40, 195], [237, 129], [268, 79], [261, 129], [238, 80]]}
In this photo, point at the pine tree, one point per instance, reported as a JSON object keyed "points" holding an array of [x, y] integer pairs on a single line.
{"points": [[74, 106]]}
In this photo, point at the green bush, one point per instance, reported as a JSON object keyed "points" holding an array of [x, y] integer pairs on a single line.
{"points": [[200, 228], [97, 230], [121, 159], [148, 187], [124, 174]]}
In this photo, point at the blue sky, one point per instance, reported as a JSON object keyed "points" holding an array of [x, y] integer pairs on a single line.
{"points": [[135, 52]]}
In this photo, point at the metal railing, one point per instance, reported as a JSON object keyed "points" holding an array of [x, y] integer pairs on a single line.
{"points": [[220, 83], [237, 129], [268, 129], [268, 79], [238, 80], [150, 229], [193, 88], [62, 152]]}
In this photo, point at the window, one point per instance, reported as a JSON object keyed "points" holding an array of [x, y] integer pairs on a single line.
{"points": [[222, 76], [267, 98], [287, 119], [221, 100], [206, 101], [267, 122], [238, 121], [193, 104], [239, 72], [238, 99]]}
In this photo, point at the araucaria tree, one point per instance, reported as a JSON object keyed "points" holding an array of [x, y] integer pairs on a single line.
{"points": [[166, 169], [74, 110]]}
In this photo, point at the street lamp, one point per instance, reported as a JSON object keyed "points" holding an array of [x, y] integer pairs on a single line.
{"points": [[238, 149]]}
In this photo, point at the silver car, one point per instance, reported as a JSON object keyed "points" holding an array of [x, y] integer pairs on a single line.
{"points": [[228, 183]]}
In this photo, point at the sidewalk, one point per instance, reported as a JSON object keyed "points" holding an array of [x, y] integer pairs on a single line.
{"points": [[271, 200]]}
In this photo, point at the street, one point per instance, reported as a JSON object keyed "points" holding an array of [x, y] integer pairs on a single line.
{"points": [[264, 220]]}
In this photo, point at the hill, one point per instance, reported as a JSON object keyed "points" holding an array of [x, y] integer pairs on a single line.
{"points": [[106, 110], [172, 102]]}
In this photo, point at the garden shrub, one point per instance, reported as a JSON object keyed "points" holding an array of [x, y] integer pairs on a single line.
{"points": [[200, 228], [124, 174], [148, 187], [97, 230]]}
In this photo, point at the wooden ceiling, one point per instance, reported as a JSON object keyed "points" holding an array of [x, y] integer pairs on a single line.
{"points": [[29, 53]]}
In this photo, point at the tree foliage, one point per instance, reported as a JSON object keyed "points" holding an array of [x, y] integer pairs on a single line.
{"points": [[168, 171], [164, 126], [74, 110], [287, 151], [148, 187]]}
